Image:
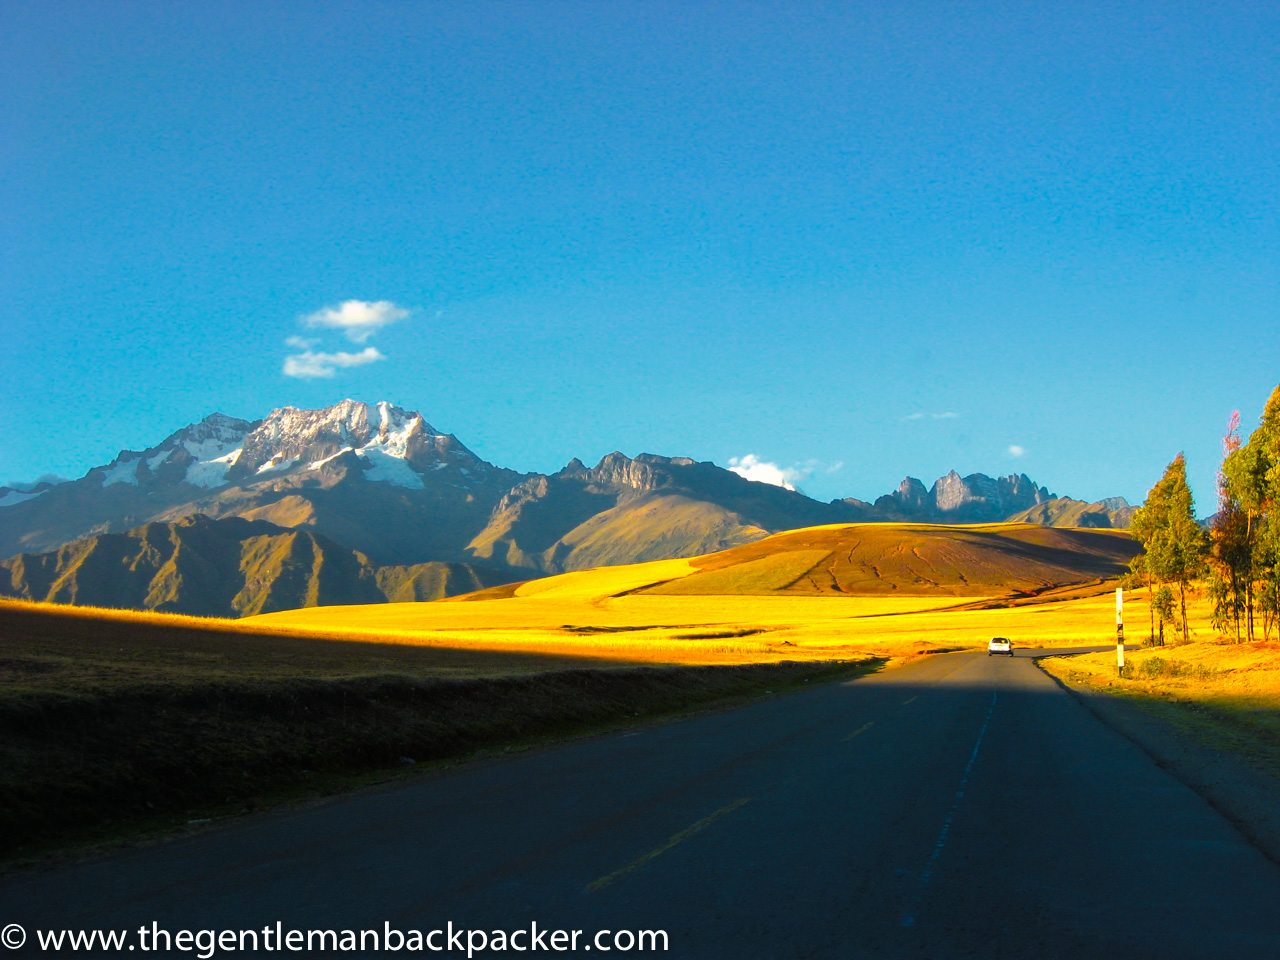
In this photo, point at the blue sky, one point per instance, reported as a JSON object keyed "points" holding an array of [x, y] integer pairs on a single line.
{"points": [[854, 240]]}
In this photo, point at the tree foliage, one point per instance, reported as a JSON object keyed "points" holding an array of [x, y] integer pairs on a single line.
{"points": [[1175, 542], [1245, 536]]}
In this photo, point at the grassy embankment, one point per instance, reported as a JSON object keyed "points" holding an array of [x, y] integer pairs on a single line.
{"points": [[1225, 694], [120, 724]]}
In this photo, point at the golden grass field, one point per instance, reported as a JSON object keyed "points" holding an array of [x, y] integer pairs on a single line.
{"points": [[764, 609], [837, 592]]}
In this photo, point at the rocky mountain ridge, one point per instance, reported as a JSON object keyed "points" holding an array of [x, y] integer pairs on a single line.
{"points": [[225, 568], [382, 481], [976, 498]]}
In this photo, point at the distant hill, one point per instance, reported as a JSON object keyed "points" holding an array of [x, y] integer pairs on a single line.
{"points": [[631, 510], [1113, 513], [911, 559], [225, 568]]}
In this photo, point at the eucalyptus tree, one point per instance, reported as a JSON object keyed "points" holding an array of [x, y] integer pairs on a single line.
{"points": [[1251, 547], [1175, 542]]}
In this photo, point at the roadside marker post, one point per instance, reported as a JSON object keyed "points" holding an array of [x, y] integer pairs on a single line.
{"points": [[1119, 631]]}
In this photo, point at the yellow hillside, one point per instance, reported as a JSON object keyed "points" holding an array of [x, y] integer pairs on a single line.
{"points": [[758, 602]]}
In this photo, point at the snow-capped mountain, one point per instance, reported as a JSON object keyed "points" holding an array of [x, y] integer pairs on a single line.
{"points": [[390, 444], [200, 454], [382, 481], [376, 477], [387, 443]]}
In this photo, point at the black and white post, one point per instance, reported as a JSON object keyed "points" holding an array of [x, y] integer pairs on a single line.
{"points": [[1119, 630]]}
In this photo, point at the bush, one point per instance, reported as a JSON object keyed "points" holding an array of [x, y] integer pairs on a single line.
{"points": [[1158, 668]]}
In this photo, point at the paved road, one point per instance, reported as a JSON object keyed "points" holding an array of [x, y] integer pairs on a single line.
{"points": [[962, 806]]}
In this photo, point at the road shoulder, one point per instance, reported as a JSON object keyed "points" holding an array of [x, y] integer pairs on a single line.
{"points": [[1174, 737]]}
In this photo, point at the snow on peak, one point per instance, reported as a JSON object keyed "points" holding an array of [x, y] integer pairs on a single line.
{"points": [[387, 453], [384, 437], [215, 444], [208, 448], [211, 463], [394, 445], [277, 465], [123, 469], [16, 491], [14, 497]]}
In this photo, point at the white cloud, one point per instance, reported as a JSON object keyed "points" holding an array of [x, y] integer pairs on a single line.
{"points": [[25, 485], [310, 364], [358, 319], [1016, 451], [814, 465], [301, 343], [753, 468], [945, 415]]}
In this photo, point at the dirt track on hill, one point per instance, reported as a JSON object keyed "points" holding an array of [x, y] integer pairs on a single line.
{"points": [[912, 559]]}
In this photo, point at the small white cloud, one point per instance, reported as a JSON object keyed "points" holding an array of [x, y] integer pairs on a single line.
{"points": [[813, 465], [310, 364], [945, 415], [752, 467], [1016, 451], [301, 343], [26, 485], [358, 319]]}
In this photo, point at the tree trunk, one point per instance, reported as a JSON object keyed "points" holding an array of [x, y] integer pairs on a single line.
{"points": [[1248, 574], [1182, 593], [1151, 608]]}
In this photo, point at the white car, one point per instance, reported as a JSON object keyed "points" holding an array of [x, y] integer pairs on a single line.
{"points": [[1000, 645]]}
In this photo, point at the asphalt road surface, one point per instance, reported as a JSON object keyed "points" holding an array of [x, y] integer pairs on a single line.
{"points": [[961, 806]]}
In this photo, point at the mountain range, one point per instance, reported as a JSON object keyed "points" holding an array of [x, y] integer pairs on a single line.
{"points": [[225, 568], [382, 484]]}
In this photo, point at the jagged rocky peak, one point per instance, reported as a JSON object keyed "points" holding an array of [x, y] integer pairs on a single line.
{"points": [[200, 454], [978, 493], [976, 497], [216, 426], [1018, 491], [646, 472], [291, 435], [952, 492], [912, 493], [389, 443]]}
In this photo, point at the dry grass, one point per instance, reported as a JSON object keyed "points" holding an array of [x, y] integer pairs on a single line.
{"points": [[609, 613], [1226, 694], [904, 559], [117, 722], [48, 647]]}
